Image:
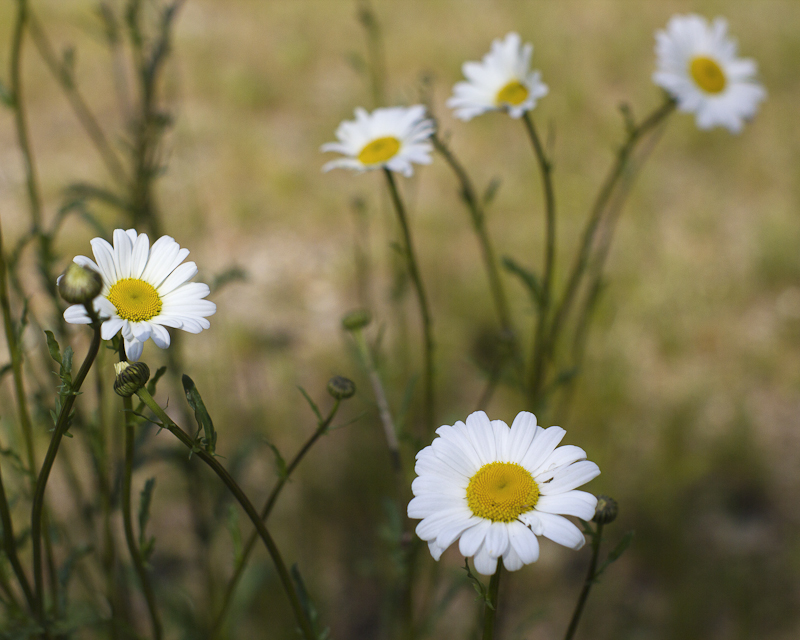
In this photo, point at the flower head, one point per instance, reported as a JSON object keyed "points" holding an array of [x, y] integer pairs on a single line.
{"points": [[697, 65], [392, 138], [495, 488], [500, 82], [145, 289]]}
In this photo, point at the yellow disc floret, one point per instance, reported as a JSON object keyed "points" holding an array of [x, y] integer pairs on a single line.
{"points": [[379, 150], [708, 74], [135, 300], [514, 93], [501, 491]]}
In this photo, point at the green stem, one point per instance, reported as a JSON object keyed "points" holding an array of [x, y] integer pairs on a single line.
{"points": [[10, 547], [322, 428], [539, 354], [635, 134], [62, 424], [478, 218], [490, 611], [127, 518], [241, 497], [425, 315], [587, 585]]}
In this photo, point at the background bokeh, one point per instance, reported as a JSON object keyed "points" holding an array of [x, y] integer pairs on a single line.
{"points": [[689, 399]]}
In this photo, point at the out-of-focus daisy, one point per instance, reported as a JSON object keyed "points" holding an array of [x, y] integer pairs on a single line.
{"points": [[145, 289], [697, 65], [495, 488], [391, 137], [500, 81]]}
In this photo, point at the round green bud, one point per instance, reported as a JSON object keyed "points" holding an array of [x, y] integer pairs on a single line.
{"points": [[79, 285], [356, 320], [606, 510], [131, 376], [341, 388]]}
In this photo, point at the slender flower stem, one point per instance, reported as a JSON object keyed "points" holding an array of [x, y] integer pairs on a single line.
{"points": [[427, 323], [127, 518], [537, 370], [490, 611], [62, 424], [15, 352], [322, 428], [63, 75], [241, 497], [10, 547], [587, 585], [479, 224], [635, 135]]}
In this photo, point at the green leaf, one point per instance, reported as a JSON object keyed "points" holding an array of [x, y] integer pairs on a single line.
{"points": [[280, 462], [151, 386], [528, 278], [307, 604], [479, 587], [200, 414], [312, 404], [52, 346], [491, 191], [231, 274]]}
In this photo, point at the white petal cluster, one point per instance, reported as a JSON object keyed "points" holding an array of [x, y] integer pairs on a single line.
{"points": [[444, 471], [161, 266], [505, 65], [406, 127], [726, 101]]}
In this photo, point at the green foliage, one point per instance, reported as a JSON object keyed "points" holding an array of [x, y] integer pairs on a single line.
{"points": [[481, 589], [204, 422], [307, 603]]}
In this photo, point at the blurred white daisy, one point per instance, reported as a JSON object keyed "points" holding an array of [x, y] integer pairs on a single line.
{"points": [[145, 289], [500, 81], [697, 65], [391, 137], [495, 489]]}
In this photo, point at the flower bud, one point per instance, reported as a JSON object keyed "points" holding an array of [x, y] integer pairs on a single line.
{"points": [[341, 388], [606, 510], [356, 320], [131, 376], [79, 285]]}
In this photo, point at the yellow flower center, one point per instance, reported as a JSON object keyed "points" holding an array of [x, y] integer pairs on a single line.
{"points": [[135, 300], [501, 491], [379, 150], [707, 74], [513, 93]]}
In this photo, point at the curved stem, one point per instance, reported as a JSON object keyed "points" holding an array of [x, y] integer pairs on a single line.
{"points": [[635, 134], [127, 518], [62, 424], [490, 611], [322, 428], [244, 501], [539, 354], [427, 323], [587, 585], [10, 547], [479, 224]]}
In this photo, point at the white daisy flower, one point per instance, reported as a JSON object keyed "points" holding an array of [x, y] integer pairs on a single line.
{"points": [[144, 290], [392, 138], [697, 65], [501, 81], [495, 489]]}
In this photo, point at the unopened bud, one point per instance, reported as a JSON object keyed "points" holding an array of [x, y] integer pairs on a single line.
{"points": [[131, 376], [79, 285], [341, 388], [356, 320], [606, 510]]}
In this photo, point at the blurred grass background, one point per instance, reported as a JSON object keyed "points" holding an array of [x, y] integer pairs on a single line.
{"points": [[689, 399]]}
